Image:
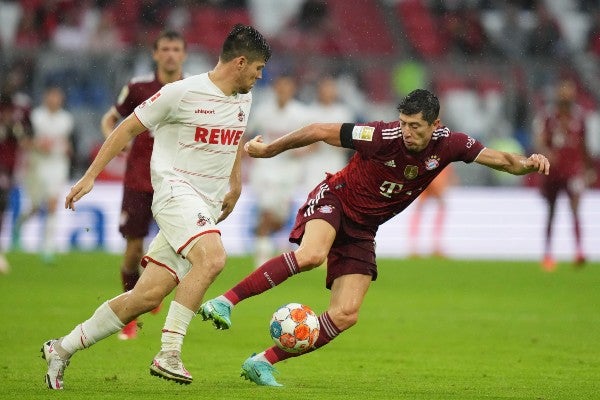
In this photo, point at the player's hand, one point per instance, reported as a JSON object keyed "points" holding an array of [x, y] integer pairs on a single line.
{"points": [[229, 202], [539, 163], [80, 189], [256, 148]]}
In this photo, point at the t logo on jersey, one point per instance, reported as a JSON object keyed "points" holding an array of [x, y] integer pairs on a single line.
{"points": [[218, 136], [388, 188]]}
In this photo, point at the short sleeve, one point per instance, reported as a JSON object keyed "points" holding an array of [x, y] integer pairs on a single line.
{"points": [[367, 138], [125, 102], [160, 105], [464, 147]]}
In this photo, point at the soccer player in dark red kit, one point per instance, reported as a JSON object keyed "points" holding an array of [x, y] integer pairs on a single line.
{"points": [[561, 134], [15, 129], [169, 54], [394, 162]]}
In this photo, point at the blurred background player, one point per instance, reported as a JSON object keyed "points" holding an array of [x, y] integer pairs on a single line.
{"points": [[321, 158], [275, 184], [48, 164], [436, 192], [14, 130], [169, 54], [561, 134]]}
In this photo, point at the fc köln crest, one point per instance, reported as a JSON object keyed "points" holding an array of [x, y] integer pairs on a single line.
{"points": [[241, 115], [411, 171]]}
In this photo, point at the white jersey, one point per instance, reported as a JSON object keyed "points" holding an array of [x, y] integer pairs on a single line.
{"points": [[48, 170], [324, 158], [275, 180], [197, 131]]}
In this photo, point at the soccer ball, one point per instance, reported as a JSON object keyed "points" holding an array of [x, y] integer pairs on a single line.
{"points": [[294, 328]]}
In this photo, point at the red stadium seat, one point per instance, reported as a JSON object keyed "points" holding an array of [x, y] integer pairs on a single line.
{"points": [[363, 28]]}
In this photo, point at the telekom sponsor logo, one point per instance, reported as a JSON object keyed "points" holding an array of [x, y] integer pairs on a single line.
{"points": [[218, 136]]}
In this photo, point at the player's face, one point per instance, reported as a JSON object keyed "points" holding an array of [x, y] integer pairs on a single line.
{"points": [[285, 89], [249, 73], [169, 55], [416, 132]]}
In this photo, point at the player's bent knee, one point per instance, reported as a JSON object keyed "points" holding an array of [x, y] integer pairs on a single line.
{"points": [[343, 320], [309, 259]]}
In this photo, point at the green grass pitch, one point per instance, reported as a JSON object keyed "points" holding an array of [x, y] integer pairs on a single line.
{"points": [[429, 329]]}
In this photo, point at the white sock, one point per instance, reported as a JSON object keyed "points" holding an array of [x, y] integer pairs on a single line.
{"points": [[102, 324], [176, 325], [263, 250], [49, 234], [226, 300], [261, 357]]}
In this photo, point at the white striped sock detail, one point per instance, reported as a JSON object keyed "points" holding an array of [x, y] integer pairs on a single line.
{"points": [[328, 326], [290, 262]]}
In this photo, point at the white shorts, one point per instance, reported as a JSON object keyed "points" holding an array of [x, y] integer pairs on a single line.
{"points": [[46, 179], [182, 220]]}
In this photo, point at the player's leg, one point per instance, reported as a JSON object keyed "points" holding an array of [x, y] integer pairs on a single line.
{"points": [[574, 192], [414, 225], [136, 216], [155, 283], [130, 273], [4, 195], [550, 192], [48, 245], [268, 223], [207, 258], [347, 295], [318, 237], [438, 226]]}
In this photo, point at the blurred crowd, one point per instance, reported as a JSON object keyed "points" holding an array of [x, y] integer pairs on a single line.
{"points": [[495, 61]]}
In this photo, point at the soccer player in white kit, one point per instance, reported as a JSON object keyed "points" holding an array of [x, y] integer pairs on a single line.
{"points": [[48, 164], [196, 175], [275, 181], [322, 158]]}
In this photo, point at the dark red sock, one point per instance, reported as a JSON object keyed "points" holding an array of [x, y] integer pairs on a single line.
{"points": [[327, 333], [577, 231], [269, 275], [129, 279]]}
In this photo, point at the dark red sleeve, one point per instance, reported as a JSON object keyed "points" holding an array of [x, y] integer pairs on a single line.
{"points": [[127, 100], [463, 147]]}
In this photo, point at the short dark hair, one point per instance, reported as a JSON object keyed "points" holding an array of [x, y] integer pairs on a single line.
{"points": [[244, 40], [421, 100], [169, 35]]}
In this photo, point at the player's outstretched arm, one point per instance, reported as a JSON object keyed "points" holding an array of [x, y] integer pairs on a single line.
{"points": [[328, 133], [118, 139], [513, 163]]}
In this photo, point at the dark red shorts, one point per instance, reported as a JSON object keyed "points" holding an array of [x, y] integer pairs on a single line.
{"points": [[136, 213], [552, 187], [353, 250]]}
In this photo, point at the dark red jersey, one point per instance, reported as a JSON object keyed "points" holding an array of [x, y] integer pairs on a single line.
{"points": [[137, 172], [564, 136], [383, 177], [15, 125]]}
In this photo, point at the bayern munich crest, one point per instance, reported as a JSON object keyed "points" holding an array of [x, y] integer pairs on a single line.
{"points": [[325, 209], [432, 163]]}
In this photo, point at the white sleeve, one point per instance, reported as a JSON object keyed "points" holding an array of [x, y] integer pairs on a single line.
{"points": [[160, 105]]}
